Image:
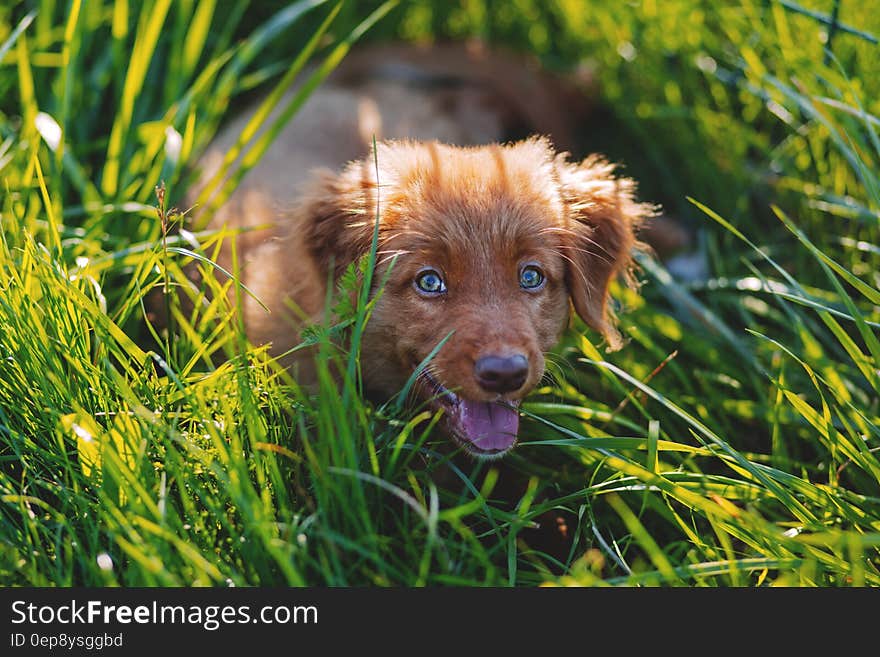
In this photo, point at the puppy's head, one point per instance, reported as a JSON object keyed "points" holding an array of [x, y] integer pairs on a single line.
{"points": [[490, 246]]}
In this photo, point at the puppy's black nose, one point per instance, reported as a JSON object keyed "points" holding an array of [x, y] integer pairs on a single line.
{"points": [[501, 373]]}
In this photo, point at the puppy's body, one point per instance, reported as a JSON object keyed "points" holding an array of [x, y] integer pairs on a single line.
{"points": [[490, 244]]}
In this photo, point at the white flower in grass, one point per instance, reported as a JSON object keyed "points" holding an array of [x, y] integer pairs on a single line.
{"points": [[82, 433], [706, 63], [627, 50], [173, 144], [105, 563], [49, 130]]}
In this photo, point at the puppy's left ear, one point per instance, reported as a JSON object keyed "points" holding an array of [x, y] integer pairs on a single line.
{"points": [[603, 218], [337, 215]]}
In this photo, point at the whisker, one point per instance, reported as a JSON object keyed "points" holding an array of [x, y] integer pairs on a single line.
{"points": [[554, 372], [591, 241], [580, 272], [588, 252], [384, 260], [558, 229]]}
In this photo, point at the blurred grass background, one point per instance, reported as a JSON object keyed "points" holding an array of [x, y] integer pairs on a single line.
{"points": [[732, 442]]}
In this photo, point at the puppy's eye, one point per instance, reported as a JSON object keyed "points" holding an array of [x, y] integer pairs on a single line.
{"points": [[429, 282], [531, 278]]}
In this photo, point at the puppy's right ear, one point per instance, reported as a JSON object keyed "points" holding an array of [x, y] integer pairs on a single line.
{"points": [[604, 217], [338, 214]]}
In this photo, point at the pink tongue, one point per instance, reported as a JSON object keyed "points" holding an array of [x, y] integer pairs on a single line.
{"points": [[490, 426]]}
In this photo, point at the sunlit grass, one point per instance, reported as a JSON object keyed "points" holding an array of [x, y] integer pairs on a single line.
{"points": [[732, 442]]}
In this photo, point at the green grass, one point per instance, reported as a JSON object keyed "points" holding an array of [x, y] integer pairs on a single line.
{"points": [[732, 442]]}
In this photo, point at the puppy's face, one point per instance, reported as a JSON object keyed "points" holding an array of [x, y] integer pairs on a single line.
{"points": [[483, 271], [483, 250]]}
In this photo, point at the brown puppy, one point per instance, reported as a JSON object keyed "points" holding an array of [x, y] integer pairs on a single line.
{"points": [[490, 245]]}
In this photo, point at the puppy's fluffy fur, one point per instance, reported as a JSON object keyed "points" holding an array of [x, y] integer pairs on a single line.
{"points": [[477, 217]]}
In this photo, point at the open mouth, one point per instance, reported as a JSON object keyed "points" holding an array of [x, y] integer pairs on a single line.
{"points": [[485, 429]]}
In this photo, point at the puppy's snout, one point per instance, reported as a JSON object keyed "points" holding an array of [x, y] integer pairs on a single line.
{"points": [[501, 373]]}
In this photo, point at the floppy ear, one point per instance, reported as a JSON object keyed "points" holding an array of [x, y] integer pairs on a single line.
{"points": [[338, 214], [603, 218]]}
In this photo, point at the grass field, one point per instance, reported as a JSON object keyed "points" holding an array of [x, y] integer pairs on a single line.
{"points": [[733, 442]]}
